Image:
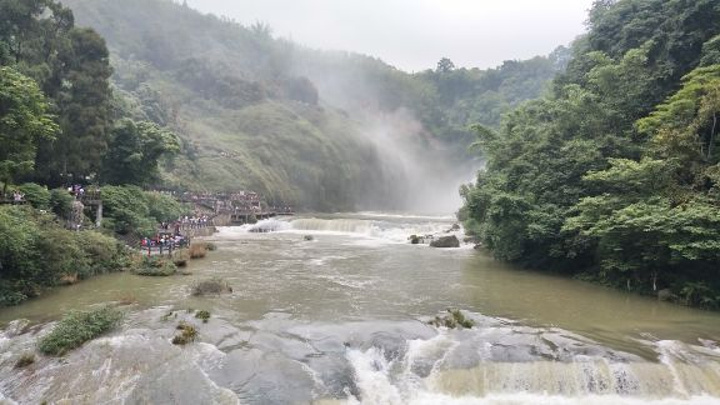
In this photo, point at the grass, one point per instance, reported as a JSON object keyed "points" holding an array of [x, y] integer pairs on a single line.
{"points": [[156, 266], [77, 328], [204, 315], [188, 334], [211, 286]]}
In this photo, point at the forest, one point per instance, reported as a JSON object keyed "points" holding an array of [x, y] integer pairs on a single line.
{"points": [[613, 176]]}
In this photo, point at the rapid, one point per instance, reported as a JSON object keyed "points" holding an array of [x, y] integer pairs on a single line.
{"points": [[341, 317]]}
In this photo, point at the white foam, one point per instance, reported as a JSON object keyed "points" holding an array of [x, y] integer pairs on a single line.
{"points": [[378, 232], [393, 382]]}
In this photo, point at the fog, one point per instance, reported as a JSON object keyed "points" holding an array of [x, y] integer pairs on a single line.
{"points": [[426, 178], [414, 34]]}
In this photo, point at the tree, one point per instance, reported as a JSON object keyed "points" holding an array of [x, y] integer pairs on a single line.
{"points": [[24, 122], [445, 65], [135, 151], [84, 110], [685, 127]]}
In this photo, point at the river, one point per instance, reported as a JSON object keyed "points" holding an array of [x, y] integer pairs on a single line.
{"points": [[342, 318]]}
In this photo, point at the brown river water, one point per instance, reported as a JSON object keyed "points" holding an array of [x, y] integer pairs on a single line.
{"points": [[343, 319]]}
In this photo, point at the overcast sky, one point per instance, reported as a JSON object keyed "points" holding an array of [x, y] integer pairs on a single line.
{"points": [[414, 34]]}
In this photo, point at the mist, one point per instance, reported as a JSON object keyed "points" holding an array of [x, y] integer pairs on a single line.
{"points": [[423, 177]]}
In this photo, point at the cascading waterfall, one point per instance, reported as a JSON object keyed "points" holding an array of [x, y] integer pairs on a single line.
{"points": [[375, 228], [582, 379]]}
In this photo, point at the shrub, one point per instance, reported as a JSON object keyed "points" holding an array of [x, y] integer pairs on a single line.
{"points": [[104, 253], [454, 319], [212, 286], [127, 210], [210, 246], [180, 257], [198, 250], [38, 196], [61, 203], [188, 334], [37, 252], [61, 255], [156, 266], [77, 328], [19, 233], [204, 315]]}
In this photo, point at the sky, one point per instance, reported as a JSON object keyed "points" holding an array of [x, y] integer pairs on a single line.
{"points": [[414, 34]]}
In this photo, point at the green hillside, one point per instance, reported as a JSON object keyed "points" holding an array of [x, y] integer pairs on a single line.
{"points": [[295, 124]]}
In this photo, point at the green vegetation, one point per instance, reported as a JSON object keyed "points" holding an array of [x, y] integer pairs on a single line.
{"points": [[25, 123], [61, 124], [135, 149], [204, 315], [453, 320], [36, 252], [211, 286], [613, 177], [156, 266], [188, 334], [129, 209], [77, 328]]}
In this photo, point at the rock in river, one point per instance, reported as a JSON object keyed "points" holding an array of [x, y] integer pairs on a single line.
{"points": [[446, 242]]}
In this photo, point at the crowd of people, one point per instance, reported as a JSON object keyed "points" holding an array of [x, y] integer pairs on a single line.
{"points": [[164, 241], [169, 236]]}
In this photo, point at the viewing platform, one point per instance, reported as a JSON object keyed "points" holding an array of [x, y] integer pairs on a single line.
{"points": [[251, 217]]}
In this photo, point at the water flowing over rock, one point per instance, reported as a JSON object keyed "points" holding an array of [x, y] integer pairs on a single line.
{"points": [[446, 242]]}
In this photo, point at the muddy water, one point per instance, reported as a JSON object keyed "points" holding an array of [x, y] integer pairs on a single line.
{"points": [[342, 318]]}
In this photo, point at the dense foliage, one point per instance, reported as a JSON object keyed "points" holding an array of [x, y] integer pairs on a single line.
{"points": [[36, 252], [24, 122], [129, 209], [57, 118], [604, 179]]}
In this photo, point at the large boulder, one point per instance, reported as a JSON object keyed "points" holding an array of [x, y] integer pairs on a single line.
{"points": [[446, 242]]}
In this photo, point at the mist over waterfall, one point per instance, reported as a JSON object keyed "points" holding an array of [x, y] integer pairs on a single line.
{"points": [[423, 176]]}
